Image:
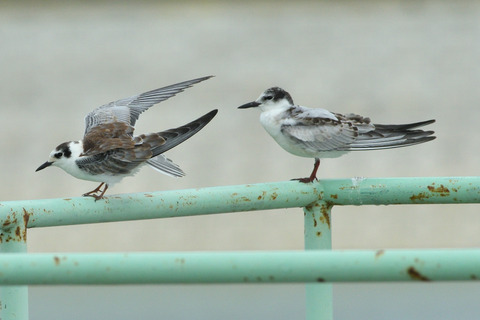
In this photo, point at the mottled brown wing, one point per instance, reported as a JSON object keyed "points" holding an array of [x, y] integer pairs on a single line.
{"points": [[110, 149], [106, 137]]}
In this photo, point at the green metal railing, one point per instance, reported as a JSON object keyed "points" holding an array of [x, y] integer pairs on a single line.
{"points": [[317, 266]]}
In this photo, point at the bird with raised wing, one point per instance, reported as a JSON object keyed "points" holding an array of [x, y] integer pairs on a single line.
{"points": [[318, 133], [110, 152]]}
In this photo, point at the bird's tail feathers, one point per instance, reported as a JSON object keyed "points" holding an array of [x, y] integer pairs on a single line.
{"points": [[393, 136], [165, 166]]}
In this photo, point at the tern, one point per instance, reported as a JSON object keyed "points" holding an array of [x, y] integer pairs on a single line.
{"points": [[318, 133], [110, 152]]}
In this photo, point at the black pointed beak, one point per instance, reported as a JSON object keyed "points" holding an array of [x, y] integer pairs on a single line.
{"points": [[249, 105], [43, 166]]}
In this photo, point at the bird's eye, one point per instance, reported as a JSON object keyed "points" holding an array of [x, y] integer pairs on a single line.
{"points": [[268, 97], [58, 155]]}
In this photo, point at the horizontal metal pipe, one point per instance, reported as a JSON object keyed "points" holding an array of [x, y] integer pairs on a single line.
{"points": [[241, 267], [287, 194], [162, 204], [418, 190]]}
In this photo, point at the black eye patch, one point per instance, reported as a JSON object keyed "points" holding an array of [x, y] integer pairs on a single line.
{"points": [[58, 155], [67, 152]]}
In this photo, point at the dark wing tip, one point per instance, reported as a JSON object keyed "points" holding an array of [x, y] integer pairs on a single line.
{"points": [[407, 126], [197, 80], [178, 135], [424, 123], [210, 115], [203, 120]]}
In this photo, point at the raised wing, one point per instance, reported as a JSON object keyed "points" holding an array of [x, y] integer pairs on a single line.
{"points": [[129, 109]]}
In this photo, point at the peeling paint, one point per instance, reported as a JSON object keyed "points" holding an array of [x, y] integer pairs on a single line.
{"points": [[18, 232], [357, 180], [379, 253], [442, 190], [262, 196], [7, 222], [325, 210], [26, 217], [415, 275], [310, 206], [419, 197]]}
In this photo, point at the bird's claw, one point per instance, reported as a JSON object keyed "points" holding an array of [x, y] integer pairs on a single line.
{"points": [[305, 180]]}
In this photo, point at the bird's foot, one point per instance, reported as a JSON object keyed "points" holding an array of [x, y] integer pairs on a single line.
{"points": [[93, 193], [305, 180], [313, 175], [96, 197]]}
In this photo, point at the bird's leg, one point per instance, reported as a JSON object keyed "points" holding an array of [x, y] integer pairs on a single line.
{"points": [[97, 189], [313, 175]]}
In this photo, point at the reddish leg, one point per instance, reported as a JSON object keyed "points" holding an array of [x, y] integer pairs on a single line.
{"points": [[313, 175], [97, 189]]}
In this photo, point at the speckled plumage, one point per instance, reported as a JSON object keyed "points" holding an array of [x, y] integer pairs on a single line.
{"points": [[109, 151], [318, 133]]}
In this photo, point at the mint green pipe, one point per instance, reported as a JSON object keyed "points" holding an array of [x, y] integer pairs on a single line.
{"points": [[162, 204], [415, 190], [241, 267], [13, 299], [318, 236], [288, 194]]}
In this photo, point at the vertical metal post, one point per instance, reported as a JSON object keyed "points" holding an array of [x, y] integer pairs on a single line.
{"points": [[13, 238], [318, 236]]}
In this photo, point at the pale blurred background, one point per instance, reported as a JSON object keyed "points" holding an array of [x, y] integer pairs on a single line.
{"points": [[395, 61]]}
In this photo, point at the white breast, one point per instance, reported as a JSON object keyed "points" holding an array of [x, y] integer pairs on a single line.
{"points": [[273, 120]]}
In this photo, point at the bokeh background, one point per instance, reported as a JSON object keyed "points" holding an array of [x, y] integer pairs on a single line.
{"points": [[395, 61]]}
